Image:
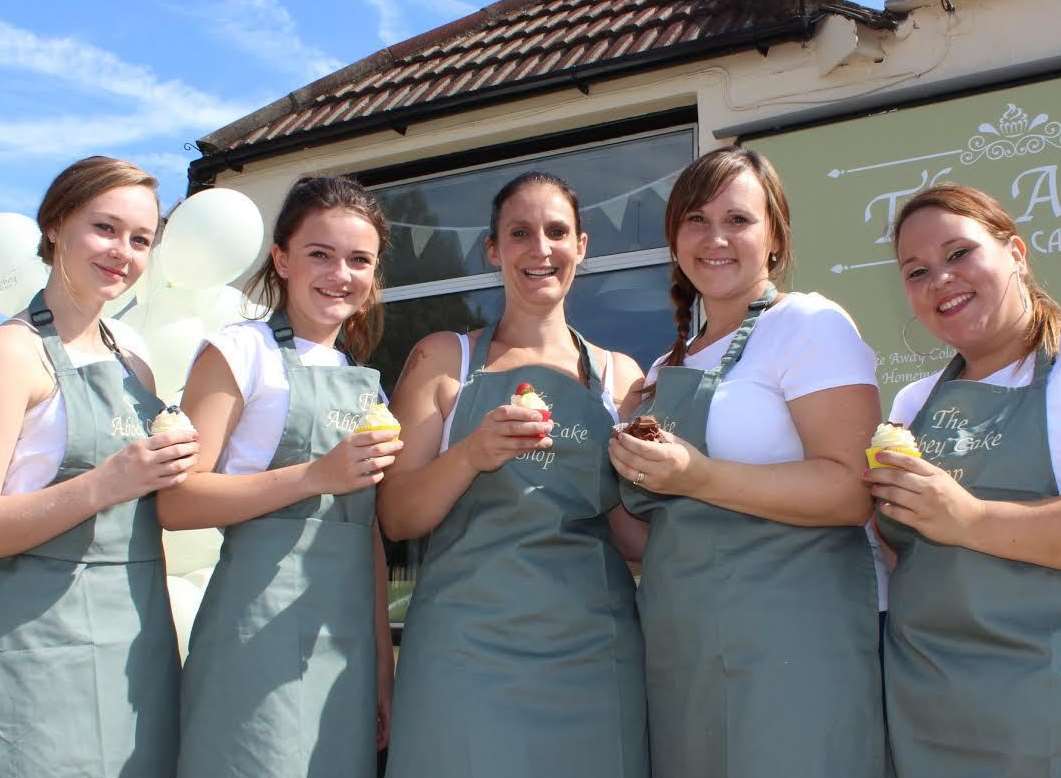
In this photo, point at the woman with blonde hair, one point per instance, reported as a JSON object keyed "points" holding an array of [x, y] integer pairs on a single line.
{"points": [[972, 679], [290, 662], [88, 655], [757, 595]]}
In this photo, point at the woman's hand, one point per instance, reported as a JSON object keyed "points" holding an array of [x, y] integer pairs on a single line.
{"points": [[669, 467], [356, 462], [504, 433], [924, 497], [147, 465]]}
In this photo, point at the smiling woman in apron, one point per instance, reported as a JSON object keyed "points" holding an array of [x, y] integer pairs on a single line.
{"points": [[290, 661], [521, 655], [758, 595], [88, 655], [973, 639]]}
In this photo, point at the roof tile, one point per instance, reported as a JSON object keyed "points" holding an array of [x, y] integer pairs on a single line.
{"points": [[516, 40]]}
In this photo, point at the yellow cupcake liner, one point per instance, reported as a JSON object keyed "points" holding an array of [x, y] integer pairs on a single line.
{"points": [[375, 427], [871, 454]]}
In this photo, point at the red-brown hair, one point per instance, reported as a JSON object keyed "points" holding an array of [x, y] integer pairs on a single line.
{"points": [[1044, 328]]}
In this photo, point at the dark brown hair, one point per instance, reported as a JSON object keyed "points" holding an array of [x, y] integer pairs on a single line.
{"points": [[79, 183], [1044, 329], [699, 184], [528, 179], [361, 332]]}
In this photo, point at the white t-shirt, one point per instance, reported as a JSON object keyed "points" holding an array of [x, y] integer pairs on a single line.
{"points": [[911, 398], [256, 363], [803, 344], [41, 443]]}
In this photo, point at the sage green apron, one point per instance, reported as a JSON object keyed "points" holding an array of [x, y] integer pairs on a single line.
{"points": [[88, 654], [522, 656], [280, 679], [972, 648], [760, 637]]}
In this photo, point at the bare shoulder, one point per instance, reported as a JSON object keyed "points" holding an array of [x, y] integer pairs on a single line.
{"points": [[22, 353], [435, 356], [627, 372]]}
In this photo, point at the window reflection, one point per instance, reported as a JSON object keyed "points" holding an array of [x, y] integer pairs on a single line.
{"points": [[438, 225]]}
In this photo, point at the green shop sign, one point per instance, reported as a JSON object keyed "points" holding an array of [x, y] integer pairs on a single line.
{"points": [[847, 181]]}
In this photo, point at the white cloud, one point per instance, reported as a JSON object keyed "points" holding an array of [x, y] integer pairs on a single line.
{"points": [[159, 107], [392, 27], [266, 30]]}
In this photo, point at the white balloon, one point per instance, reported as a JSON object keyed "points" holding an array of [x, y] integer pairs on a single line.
{"points": [[21, 271], [172, 347], [211, 238], [184, 601]]}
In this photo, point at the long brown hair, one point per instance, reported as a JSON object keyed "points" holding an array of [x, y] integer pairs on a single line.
{"points": [[361, 332], [1044, 328], [79, 183], [700, 183]]}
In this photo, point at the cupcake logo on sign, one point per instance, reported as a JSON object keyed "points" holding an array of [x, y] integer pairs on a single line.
{"points": [[1016, 135]]}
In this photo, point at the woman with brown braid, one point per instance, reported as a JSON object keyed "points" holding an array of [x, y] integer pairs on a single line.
{"points": [[754, 503]]}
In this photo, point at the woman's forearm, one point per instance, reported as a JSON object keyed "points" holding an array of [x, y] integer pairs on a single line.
{"points": [[1021, 531], [219, 500], [411, 503], [808, 493], [28, 520]]}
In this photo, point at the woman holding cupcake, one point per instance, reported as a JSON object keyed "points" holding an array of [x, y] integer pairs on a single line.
{"points": [[755, 503], [972, 681], [89, 671], [290, 660], [521, 654]]}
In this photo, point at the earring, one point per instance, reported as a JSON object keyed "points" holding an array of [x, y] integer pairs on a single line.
{"points": [[906, 339], [771, 261]]}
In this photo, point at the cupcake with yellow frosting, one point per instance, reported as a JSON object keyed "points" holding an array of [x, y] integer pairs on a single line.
{"points": [[891, 437], [378, 417]]}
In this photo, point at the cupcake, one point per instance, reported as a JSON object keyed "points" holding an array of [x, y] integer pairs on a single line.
{"points": [[891, 437], [378, 417], [526, 397], [171, 419], [642, 428]]}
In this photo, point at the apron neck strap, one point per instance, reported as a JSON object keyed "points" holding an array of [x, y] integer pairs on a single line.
{"points": [[285, 338], [954, 368], [41, 317], [744, 331], [589, 363], [482, 348]]}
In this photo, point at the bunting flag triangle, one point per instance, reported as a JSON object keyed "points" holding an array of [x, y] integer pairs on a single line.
{"points": [[468, 237], [663, 187], [615, 209], [420, 235]]}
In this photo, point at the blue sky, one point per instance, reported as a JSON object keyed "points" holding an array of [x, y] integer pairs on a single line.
{"points": [[138, 79]]}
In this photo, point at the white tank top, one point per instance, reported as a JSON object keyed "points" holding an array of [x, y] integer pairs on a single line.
{"points": [[607, 397], [41, 443]]}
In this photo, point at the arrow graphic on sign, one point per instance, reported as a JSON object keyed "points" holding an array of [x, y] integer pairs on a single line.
{"points": [[844, 268], [837, 172]]}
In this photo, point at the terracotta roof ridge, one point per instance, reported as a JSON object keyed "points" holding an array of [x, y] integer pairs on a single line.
{"points": [[308, 95]]}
